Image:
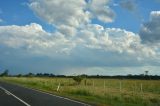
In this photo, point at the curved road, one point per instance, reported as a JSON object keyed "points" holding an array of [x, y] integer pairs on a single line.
{"points": [[13, 95]]}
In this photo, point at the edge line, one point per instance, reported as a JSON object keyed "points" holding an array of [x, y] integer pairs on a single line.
{"points": [[15, 96]]}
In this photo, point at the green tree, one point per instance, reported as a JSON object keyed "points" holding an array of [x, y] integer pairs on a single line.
{"points": [[5, 73], [78, 79], [30, 75], [19, 75]]}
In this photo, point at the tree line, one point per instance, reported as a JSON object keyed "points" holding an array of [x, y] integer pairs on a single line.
{"points": [[78, 77]]}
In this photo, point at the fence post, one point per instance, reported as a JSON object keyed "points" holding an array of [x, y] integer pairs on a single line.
{"points": [[93, 83], [141, 87], [135, 87], [58, 87], [104, 85], [120, 86]]}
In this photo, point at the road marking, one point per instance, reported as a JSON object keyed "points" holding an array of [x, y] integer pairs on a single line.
{"points": [[56, 96], [64, 98], [50, 94], [9, 93], [53, 95]]}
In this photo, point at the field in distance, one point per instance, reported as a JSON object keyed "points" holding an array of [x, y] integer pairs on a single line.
{"points": [[100, 92]]}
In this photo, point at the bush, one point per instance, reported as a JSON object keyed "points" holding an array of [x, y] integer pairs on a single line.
{"points": [[5, 73], [78, 79]]}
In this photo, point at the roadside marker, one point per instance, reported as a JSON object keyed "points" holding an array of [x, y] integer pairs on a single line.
{"points": [[58, 87]]}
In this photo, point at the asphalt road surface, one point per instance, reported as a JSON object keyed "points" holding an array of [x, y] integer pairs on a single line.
{"points": [[13, 95]]}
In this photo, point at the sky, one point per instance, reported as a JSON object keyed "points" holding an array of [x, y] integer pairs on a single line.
{"points": [[104, 37]]}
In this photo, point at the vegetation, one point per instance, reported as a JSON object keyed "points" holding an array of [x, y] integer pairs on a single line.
{"points": [[101, 92], [78, 79], [5, 73], [144, 76]]}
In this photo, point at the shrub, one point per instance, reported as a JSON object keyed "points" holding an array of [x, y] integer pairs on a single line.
{"points": [[78, 79], [5, 73]]}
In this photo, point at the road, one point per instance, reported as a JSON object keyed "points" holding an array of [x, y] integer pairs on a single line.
{"points": [[14, 95]]}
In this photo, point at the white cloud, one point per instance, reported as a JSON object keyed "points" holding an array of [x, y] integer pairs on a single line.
{"points": [[33, 38], [150, 31], [76, 42], [101, 10], [113, 39], [92, 46], [67, 16], [72, 13], [61, 12], [67, 30], [155, 15]]}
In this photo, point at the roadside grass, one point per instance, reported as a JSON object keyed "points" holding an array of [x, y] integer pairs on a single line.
{"points": [[100, 92]]}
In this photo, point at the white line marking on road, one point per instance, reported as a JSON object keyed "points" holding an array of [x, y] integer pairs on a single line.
{"points": [[58, 96], [6, 91], [55, 95]]}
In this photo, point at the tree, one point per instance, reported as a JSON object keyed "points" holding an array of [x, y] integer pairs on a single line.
{"points": [[5, 73], [30, 75], [19, 75], [146, 73], [78, 79]]}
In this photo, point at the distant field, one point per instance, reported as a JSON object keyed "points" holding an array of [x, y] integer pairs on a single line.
{"points": [[101, 92]]}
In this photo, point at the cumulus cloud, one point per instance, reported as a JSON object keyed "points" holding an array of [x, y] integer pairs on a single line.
{"points": [[150, 31], [61, 12], [101, 10], [129, 5], [92, 46], [34, 39], [72, 13], [113, 39], [67, 30], [75, 42]]}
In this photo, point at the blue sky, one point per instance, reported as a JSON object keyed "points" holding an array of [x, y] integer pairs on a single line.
{"points": [[17, 12], [64, 37]]}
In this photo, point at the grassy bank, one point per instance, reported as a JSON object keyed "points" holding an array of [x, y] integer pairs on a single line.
{"points": [[101, 92]]}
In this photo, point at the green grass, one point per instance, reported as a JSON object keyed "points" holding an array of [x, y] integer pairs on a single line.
{"points": [[100, 92]]}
